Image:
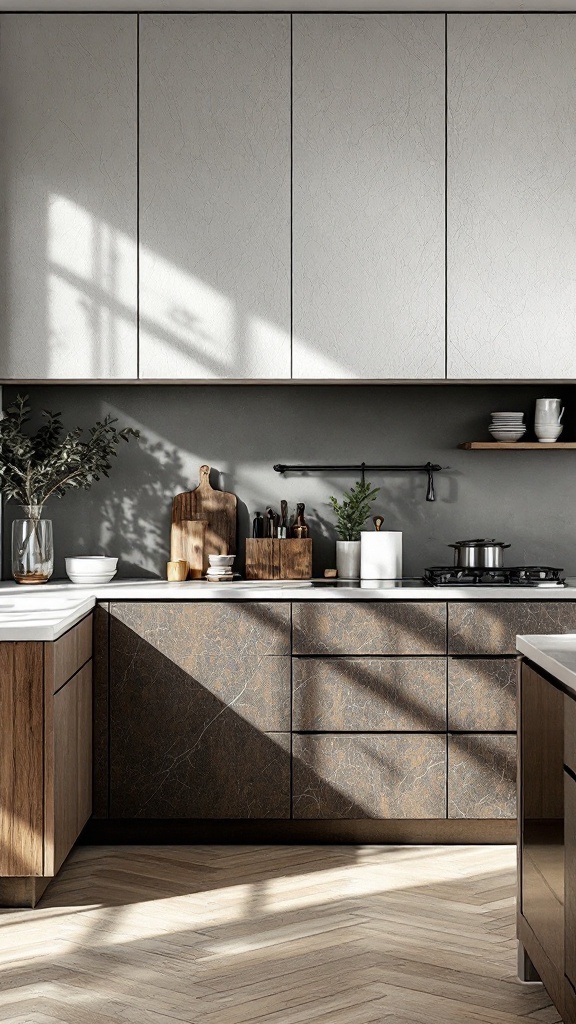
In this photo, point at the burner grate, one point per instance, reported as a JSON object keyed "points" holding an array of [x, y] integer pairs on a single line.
{"points": [[515, 576]]}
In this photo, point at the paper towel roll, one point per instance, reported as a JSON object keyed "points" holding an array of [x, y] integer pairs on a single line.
{"points": [[381, 555]]}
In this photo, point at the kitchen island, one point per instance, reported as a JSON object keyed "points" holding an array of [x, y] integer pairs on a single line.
{"points": [[260, 712], [546, 919]]}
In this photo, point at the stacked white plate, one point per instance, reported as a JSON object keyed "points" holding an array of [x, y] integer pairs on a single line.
{"points": [[91, 569], [220, 568], [507, 426]]}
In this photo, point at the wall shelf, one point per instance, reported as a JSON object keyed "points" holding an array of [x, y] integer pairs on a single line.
{"points": [[523, 445]]}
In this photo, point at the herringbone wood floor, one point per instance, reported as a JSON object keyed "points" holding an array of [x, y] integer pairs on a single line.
{"points": [[274, 935]]}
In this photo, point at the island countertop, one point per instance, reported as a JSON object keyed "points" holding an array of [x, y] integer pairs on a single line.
{"points": [[45, 613], [556, 654]]}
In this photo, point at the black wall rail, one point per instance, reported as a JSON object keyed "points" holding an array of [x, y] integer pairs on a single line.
{"points": [[429, 468]]}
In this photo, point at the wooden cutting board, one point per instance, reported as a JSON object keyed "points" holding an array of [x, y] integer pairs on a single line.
{"points": [[218, 507]]}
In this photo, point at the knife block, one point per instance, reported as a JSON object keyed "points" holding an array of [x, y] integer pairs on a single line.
{"points": [[269, 558]]}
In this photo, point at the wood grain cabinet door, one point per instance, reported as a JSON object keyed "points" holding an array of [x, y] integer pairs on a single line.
{"points": [[368, 196], [196, 734], [214, 196], [374, 694], [366, 627], [570, 877], [491, 627], [68, 768], [69, 185], [481, 776], [511, 215], [369, 776]]}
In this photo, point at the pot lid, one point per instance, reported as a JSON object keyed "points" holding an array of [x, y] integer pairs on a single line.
{"points": [[480, 542]]}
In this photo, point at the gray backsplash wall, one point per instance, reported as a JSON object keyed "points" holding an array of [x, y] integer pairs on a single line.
{"points": [[525, 498]]}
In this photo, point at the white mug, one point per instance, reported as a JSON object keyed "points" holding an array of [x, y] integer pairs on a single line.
{"points": [[548, 410]]}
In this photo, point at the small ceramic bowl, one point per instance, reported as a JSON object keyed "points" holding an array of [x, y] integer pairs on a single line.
{"points": [[91, 565], [507, 435], [221, 559]]}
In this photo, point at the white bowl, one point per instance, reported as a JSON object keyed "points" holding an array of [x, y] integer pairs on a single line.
{"points": [[507, 435], [84, 579], [221, 559], [91, 565]]}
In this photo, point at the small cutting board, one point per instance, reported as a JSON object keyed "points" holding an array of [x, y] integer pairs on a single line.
{"points": [[218, 507]]}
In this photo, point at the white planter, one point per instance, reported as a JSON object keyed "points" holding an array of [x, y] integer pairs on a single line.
{"points": [[348, 559]]}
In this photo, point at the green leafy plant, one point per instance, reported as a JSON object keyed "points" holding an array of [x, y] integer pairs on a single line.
{"points": [[353, 511], [33, 467]]}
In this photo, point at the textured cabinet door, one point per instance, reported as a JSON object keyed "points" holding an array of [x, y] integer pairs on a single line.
{"points": [[369, 776], [196, 735], [482, 694], [379, 627], [68, 168], [214, 196], [482, 776], [511, 213], [368, 277], [491, 627], [369, 694]]}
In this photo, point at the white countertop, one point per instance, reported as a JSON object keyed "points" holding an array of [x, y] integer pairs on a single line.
{"points": [[556, 654], [46, 612]]}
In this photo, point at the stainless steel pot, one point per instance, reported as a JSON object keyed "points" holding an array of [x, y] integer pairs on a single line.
{"points": [[479, 554]]}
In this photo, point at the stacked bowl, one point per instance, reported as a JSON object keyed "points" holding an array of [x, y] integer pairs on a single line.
{"points": [[91, 569], [507, 426], [220, 568]]}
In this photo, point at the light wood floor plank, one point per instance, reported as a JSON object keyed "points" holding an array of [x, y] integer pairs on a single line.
{"points": [[271, 935]]}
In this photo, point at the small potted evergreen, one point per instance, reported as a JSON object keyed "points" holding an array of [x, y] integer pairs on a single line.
{"points": [[351, 514]]}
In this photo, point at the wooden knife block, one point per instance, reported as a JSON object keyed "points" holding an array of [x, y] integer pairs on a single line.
{"points": [[272, 559]]}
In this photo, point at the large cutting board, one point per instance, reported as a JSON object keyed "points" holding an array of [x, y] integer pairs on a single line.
{"points": [[218, 507]]}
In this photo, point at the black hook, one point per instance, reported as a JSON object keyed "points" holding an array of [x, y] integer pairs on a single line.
{"points": [[363, 471], [430, 493]]}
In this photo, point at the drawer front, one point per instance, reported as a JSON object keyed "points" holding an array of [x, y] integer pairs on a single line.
{"points": [[482, 694], [182, 629], [371, 627], [570, 732], [368, 776], [63, 657], [481, 776], [372, 694], [490, 627]]}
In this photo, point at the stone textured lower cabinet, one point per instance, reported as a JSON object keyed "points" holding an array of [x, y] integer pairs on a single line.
{"points": [[374, 694], [482, 694], [491, 627], [481, 776], [199, 735], [323, 710], [369, 776], [379, 627]]}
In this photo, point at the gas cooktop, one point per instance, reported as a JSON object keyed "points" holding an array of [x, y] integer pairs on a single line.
{"points": [[515, 576]]}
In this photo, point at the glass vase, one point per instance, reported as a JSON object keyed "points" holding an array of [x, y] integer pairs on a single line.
{"points": [[32, 547]]}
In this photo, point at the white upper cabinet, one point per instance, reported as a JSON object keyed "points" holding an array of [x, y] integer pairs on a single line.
{"points": [[214, 196], [511, 207], [368, 268], [68, 196]]}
